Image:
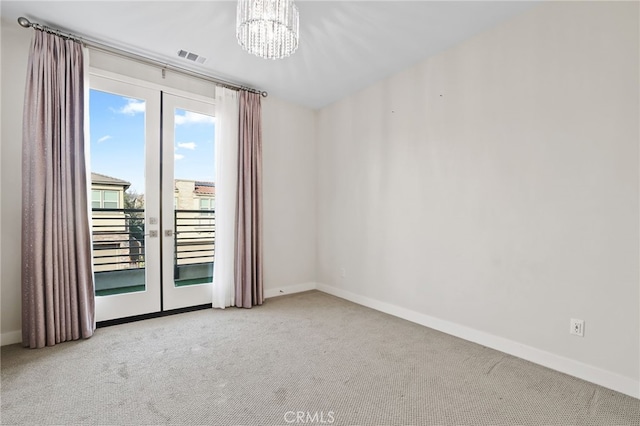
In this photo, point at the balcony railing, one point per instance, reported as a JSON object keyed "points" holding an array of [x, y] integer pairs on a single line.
{"points": [[118, 239], [194, 236], [119, 248], [194, 246]]}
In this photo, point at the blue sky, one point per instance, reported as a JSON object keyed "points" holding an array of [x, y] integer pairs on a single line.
{"points": [[117, 141]]}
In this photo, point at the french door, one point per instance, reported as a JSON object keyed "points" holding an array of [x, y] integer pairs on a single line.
{"points": [[153, 198], [188, 201]]}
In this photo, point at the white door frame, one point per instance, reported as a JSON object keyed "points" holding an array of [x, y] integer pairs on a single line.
{"points": [[160, 294], [148, 301], [193, 295]]}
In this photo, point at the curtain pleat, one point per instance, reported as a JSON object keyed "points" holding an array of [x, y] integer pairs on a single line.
{"points": [[57, 282], [249, 267]]}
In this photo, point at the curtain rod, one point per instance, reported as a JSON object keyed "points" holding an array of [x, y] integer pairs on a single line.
{"points": [[25, 23]]}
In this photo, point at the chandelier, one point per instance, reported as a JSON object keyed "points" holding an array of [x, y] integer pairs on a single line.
{"points": [[267, 28]]}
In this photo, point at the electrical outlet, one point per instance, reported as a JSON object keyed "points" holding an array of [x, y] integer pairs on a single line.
{"points": [[577, 327]]}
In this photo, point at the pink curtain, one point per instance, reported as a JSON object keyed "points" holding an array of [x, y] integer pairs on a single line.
{"points": [[57, 280], [248, 259]]}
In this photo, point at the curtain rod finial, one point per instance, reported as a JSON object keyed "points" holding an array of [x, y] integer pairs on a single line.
{"points": [[24, 22]]}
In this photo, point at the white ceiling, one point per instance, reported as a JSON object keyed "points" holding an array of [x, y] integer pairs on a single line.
{"points": [[344, 45]]}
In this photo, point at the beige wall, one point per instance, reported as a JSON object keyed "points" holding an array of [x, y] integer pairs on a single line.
{"points": [[15, 46], [288, 149], [289, 194], [494, 188]]}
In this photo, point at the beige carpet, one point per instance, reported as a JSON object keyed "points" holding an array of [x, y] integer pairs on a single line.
{"points": [[308, 358]]}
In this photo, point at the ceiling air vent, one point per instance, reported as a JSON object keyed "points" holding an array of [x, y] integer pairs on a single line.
{"points": [[190, 56]]}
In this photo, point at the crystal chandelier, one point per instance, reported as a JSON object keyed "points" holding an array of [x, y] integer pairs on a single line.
{"points": [[267, 28]]}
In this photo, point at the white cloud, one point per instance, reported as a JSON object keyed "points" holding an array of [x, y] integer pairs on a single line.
{"points": [[187, 145], [104, 138], [133, 107], [193, 118], [178, 157]]}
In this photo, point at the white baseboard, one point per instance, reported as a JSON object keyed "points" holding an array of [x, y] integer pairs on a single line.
{"points": [[11, 337], [568, 366], [281, 291]]}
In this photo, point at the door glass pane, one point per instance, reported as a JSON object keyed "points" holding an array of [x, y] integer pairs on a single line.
{"points": [[194, 195], [117, 175]]}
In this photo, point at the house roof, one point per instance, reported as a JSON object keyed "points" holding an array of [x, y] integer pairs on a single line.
{"points": [[108, 180], [205, 188]]}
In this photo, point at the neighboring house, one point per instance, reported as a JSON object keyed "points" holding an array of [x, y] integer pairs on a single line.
{"points": [[113, 246], [107, 192], [194, 203], [194, 195]]}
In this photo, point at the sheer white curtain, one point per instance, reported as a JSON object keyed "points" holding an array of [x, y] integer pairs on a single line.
{"points": [[226, 196]]}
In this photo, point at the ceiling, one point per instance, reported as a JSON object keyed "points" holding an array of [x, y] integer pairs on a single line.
{"points": [[344, 45]]}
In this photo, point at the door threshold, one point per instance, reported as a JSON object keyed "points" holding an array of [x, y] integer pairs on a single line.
{"points": [[118, 321]]}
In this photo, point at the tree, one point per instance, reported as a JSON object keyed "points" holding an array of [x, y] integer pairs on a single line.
{"points": [[134, 212], [133, 200]]}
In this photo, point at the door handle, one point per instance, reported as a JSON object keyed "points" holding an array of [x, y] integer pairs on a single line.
{"points": [[168, 233], [152, 234]]}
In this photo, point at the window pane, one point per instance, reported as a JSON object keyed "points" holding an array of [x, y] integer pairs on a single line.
{"points": [[95, 199], [111, 196], [194, 165], [117, 160], [110, 199]]}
